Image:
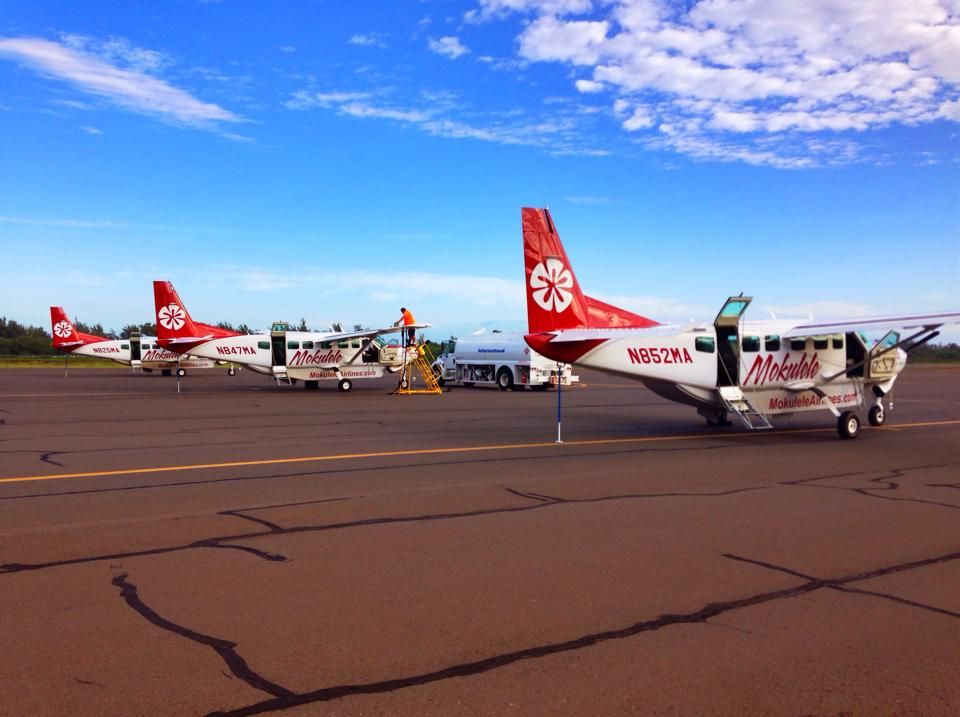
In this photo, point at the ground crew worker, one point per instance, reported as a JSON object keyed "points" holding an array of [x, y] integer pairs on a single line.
{"points": [[406, 318]]}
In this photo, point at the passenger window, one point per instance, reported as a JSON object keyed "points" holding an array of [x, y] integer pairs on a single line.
{"points": [[838, 342], [263, 345], [325, 344], [704, 344], [355, 344], [343, 345], [125, 346], [771, 343], [308, 344], [293, 344], [820, 344], [751, 344], [798, 344]]}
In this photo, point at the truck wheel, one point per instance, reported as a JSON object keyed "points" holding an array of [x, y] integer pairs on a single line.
{"points": [[505, 379], [311, 385], [441, 381], [166, 372], [876, 416], [345, 385], [848, 425]]}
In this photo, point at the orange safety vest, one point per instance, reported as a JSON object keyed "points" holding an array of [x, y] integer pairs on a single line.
{"points": [[408, 318]]}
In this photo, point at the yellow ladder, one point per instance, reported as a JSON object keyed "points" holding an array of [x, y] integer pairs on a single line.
{"points": [[422, 363]]}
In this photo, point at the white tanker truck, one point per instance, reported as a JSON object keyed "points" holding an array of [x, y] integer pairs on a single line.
{"points": [[499, 359]]}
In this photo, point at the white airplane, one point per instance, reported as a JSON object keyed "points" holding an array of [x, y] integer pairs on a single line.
{"points": [[285, 354], [754, 369], [143, 352]]}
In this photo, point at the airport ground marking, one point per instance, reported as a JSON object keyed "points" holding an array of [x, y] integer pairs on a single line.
{"points": [[441, 451]]}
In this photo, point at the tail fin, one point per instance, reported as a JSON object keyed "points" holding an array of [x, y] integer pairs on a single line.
{"points": [[173, 319], [554, 298], [65, 334], [174, 323]]}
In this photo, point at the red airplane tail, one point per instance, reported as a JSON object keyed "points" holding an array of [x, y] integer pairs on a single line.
{"points": [[554, 298], [174, 324], [65, 334]]}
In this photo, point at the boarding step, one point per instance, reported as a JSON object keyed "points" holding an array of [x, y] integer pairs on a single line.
{"points": [[735, 400], [422, 363], [280, 375]]}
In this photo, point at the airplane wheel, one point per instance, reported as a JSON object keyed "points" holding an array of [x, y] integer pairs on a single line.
{"points": [[505, 379], [181, 372], [231, 372], [876, 416], [311, 385], [345, 385], [404, 383], [848, 425], [166, 372]]}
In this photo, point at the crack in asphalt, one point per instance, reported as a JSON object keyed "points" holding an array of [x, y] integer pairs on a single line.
{"points": [[884, 483], [840, 585], [477, 667], [225, 649], [8, 568]]}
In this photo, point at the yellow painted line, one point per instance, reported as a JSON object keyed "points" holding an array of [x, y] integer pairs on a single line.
{"points": [[441, 451]]}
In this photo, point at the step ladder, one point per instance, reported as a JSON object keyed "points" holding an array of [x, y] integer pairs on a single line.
{"points": [[280, 375], [422, 365], [735, 400]]}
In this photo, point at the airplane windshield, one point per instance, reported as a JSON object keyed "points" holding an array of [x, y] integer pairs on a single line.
{"points": [[734, 307]]}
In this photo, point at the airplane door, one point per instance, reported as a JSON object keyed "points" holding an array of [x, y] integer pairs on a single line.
{"points": [[134, 346], [278, 348], [727, 325]]}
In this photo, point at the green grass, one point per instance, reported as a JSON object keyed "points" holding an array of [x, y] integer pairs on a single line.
{"points": [[55, 362]]}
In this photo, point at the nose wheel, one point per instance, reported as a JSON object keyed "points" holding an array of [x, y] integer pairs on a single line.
{"points": [[848, 425], [877, 416]]}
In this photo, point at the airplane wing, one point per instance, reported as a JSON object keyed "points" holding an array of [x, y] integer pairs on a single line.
{"points": [[905, 321], [344, 335]]}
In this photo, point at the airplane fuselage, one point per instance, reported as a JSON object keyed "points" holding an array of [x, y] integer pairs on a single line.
{"points": [[778, 373]]}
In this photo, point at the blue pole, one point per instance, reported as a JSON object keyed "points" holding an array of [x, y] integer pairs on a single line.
{"points": [[559, 392]]}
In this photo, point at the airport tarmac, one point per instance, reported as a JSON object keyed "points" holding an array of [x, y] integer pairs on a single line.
{"points": [[243, 548]]}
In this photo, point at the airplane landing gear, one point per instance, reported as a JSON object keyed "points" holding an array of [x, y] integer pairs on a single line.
{"points": [[231, 371], [848, 425], [345, 385], [181, 372], [715, 418], [877, 417]]}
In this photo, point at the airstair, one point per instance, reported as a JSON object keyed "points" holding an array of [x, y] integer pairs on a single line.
{"points": [[420, 365], [736, 401]]}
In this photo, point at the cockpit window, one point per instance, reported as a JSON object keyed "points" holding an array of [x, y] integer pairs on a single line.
{"points": [[704, 344]]}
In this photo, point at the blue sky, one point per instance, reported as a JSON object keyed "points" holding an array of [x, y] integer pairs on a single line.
{"points": [[335, 160]]}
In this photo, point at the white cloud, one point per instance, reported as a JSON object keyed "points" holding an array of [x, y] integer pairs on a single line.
{"points": [[131, 88], [589, 86], [641, 118], [497, 8], [557, 135], [722, 72], [448, 47], [370, 39], [92, 130]]}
